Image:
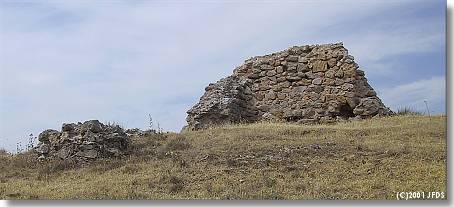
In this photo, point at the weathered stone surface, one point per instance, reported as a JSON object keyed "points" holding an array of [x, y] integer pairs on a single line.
{"points": [[68, 127], [83, 142], [292, 58], [271, 73], [332, 62], [311, 84], [317, 81], [330, 74], [88, 154], [93, 126], [369, 107], [48, 135], [279, 69], [270, 96], [281, 96], [225, 102]]}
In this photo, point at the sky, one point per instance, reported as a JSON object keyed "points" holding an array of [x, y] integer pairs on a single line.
{"points": [[119, 61]]}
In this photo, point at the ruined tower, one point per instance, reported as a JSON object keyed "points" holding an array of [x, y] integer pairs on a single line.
{"points": [[305, 84]]}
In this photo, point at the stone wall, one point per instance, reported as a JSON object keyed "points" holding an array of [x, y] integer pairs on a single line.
{"points": [[305, 84], [83, 141]]}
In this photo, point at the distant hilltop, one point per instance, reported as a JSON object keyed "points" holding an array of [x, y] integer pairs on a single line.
{"points": [[305, 84]]}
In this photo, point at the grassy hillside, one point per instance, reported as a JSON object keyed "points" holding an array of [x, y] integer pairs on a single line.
{"points": [[370, 159]]}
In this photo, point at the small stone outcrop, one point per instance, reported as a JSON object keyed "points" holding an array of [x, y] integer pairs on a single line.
{"points": [[305, 84], [83, 141]]}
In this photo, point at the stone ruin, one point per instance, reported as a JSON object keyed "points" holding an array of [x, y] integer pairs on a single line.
{"points": [[83, 141], [304, 84]]}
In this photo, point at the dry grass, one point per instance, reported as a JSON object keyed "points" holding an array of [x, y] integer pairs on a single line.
{"points": [[408, 111], [370, 159]]}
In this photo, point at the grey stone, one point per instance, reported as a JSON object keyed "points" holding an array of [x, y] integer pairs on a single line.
{"points": [[254, 76], [269, 117], [302, 67], [213, 109], [266, 67], [64, 152], [43, 148], [93, 125], [114, 152], [339, 74], [332, 62], [347, 86], [48, 135], [330, 74], [292, 58], [270, 96], [279, 69], [271, 73], [68, 127], [302, 60], [369, 107], [317, 81], [293, 78], [88, 153], [80, 142], [338, 82]]}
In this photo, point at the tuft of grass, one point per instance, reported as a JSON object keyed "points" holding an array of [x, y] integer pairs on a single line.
{"points": [[408, 111], [174, 144], [367, 159], [115, 124], [178, 143], [131, 168], [3, 152], [177, 184]]}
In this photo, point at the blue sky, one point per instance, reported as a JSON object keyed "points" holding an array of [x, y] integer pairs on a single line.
{"points": [[69, 61]]}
